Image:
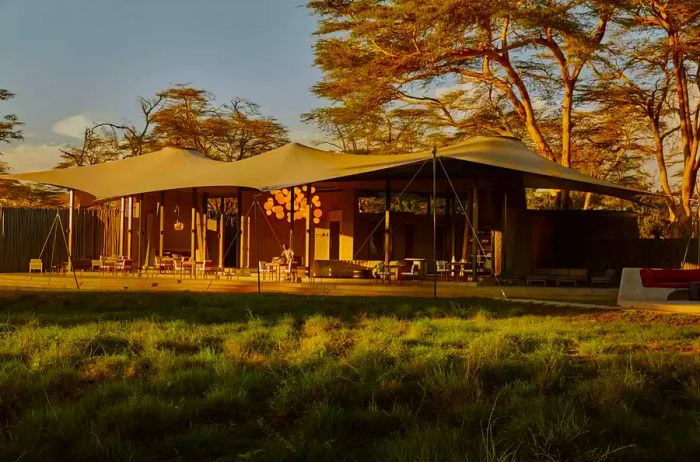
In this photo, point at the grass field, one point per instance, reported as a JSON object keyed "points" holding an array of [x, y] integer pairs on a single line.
{"points": [[243, 377]]}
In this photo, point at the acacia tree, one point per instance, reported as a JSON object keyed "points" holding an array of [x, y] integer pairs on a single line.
{"points": [[184, 117], [636, 83], [141, 140], [381, 52], [100, 144], [674, 28], [239, 129], [10, 126], [180, 121], [189, 119], [607, 147], [385, 132]]}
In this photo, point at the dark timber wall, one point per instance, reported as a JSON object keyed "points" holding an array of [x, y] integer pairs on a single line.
{"points": [[24, 231]]}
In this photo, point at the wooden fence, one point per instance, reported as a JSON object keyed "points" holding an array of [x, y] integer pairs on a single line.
{"points": [[24, 232]]}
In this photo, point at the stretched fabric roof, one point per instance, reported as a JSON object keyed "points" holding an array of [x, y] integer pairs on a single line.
{"points": [[512, 154], [295, 164], [169, 168]]}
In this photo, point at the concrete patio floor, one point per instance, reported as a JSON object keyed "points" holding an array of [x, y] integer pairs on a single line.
{"points": [[330, 287]]}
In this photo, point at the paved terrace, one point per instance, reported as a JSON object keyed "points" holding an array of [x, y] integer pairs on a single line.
{"points": [[329, 287]]}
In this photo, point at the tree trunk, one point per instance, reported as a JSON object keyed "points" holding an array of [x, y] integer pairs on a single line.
{"points": [[587, 201], [663, 172], [566, 129]]}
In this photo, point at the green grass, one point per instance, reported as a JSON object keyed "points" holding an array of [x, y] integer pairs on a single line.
{"points": [[276, 377]]}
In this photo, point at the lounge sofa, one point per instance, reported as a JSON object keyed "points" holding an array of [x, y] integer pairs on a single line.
{"points": [[558, 276], [649, 285]]}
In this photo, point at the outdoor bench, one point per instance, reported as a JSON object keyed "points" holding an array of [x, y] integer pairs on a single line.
{"points": [[558, 276]]}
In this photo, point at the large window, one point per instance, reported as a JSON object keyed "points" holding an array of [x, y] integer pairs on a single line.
{"points": [[416, 203]]}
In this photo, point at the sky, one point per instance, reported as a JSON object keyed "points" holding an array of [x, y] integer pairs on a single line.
{"points": [[75, 62]]}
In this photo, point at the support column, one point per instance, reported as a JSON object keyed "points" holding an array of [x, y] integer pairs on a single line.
{"points": [[121, 227], [309, 219], [193, 230], [140, 231], [247, 237], [220, 227], [291, 218], [130, 217], [71, 205], [241, 224], [387, 223], [451, 212], [204, 222], [161, 225], [504, 232], [475, 233], [434, 222]]}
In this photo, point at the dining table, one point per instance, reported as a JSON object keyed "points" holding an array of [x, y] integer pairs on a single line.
{"points": [[273, 269], [393, 270]]}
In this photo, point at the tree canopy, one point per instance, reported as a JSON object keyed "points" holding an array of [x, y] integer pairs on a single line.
{"points": [[10, 126], [600, 86], [185, 117]]}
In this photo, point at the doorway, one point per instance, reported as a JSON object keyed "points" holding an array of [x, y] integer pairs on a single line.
{"points": [[334, 241], [409, 233]]}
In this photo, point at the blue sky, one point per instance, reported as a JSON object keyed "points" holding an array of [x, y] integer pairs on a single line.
{"points": [[72, 62]]}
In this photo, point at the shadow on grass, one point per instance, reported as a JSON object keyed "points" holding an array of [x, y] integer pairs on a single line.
{"points": [[67, 309]]}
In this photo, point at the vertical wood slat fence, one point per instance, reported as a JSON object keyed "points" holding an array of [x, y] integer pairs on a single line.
{"points": [[23, 232]]}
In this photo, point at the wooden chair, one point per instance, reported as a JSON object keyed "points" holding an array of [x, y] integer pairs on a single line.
{"points": [[205, 268], [108, 264], [124, 266], [382, 273], [604, 279], [441, 269], [264, 270], [291, 269], [35, 264], [409, 275]]}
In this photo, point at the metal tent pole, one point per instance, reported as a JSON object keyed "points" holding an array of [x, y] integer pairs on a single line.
{"points": [[71, 204], [434, 221]]}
